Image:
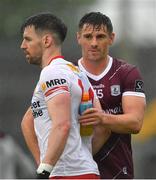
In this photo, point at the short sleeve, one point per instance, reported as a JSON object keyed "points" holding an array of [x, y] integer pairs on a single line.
{"points": [[54, 81], [133, 83]]}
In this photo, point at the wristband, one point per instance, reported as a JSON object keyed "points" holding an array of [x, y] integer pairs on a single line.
{"points": [[44, 167]]}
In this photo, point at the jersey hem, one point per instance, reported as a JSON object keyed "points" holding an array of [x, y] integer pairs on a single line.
{"points": [[74, 173]]}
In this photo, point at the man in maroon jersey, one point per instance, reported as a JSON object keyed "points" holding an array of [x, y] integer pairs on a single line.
{"points": [[119, 87]]}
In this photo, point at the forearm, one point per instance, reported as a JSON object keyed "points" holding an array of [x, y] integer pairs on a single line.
{"points": [[32, 144], [124, 123], [56, 144], [59, 111], [28, 131], [100, 137]]}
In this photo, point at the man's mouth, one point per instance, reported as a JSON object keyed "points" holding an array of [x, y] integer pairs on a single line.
{"points": [[93, 50], [26, 53]]}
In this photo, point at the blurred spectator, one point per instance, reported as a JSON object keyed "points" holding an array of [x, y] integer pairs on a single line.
{"points": [[14, 163], [145, 145], [149, 127], [145, 159]]}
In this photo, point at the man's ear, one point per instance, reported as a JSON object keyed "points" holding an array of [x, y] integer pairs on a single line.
{"points": [[48, 40], [112, 37], [78, 35]]}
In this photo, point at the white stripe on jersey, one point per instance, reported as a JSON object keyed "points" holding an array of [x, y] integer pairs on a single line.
{"points": [[130, 93]]}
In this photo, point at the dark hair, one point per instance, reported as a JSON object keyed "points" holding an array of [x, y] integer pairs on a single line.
{"points": [[96, 19], [47, 21]]}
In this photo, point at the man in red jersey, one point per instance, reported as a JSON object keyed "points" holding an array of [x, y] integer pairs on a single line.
{"points": [[119, 87]]}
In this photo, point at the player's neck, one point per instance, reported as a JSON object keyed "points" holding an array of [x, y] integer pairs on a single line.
{"points": [[95, 67], [46, 58]]}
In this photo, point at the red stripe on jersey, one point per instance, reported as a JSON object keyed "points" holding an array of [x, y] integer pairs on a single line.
{"points": [[83, 176], [91, 94], [81, 85], [56, 89], [56, 57]]}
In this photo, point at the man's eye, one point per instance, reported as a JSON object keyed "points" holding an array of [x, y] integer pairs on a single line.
{"points": [[88, 36], [101, 37], [27, 38]]}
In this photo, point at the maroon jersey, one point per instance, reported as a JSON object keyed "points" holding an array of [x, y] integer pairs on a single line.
{"points": [[119, 79]]}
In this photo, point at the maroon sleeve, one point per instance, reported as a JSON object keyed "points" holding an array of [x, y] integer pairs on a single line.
{"points": [[133, 80]]}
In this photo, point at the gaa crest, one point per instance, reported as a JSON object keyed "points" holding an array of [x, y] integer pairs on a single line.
{"points": [[115, 90]]}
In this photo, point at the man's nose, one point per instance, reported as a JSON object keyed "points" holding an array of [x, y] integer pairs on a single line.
{"points": [[94, 42], [23, 46]]}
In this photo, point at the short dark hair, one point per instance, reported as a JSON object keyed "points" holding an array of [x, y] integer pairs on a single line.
{"points": [[96, 19], [47, 21]]}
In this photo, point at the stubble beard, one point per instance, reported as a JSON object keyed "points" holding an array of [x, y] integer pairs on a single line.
{"points": [[94, 58], [34, 61]]}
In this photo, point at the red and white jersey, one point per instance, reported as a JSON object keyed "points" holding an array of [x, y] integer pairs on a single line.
{"points": [[117, 80], [61, 76]]}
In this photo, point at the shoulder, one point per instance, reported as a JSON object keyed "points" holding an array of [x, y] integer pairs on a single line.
{"points": [[125, 68], [122, 64], [129, 75], [54, 70], [58, 71]]}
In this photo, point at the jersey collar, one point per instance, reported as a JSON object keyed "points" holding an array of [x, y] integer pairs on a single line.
{"points": [[56, 57], [96, 77]]}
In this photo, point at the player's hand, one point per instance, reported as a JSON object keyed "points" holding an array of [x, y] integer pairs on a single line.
{"points": [[43, 171], [91, 116], [43, 175]]}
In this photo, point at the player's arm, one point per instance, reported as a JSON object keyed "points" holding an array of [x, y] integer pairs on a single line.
{"points": [[59, 108], [132, 118], [129, 122], [27, 126], [101, 133]]}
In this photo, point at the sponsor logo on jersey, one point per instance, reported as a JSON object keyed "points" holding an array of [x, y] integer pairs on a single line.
{"points": [[115, 90], [125, 170], [99, 86], [139, 85], [43, 86], [73, 68], [36, 111], [35, 104], [52, 83], [115, 110], [99, 90]]}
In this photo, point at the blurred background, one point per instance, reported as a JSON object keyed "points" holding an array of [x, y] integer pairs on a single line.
{"points": [[133, 22]]}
